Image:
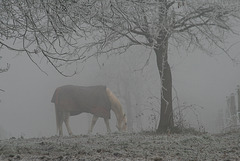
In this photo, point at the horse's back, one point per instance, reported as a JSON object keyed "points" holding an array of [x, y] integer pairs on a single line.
{"points": [[78, 99]]}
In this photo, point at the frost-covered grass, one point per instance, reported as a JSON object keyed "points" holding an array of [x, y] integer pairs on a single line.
{"points": [[124, 146]]}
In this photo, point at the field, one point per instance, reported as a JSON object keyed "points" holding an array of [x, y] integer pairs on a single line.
{"points": [[124, 146]]}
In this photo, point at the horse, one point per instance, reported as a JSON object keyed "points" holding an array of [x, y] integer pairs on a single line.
{"points": [[72, 100]]}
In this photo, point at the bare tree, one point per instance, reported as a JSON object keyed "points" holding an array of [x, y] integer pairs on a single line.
{"points": [[2, 70], [70, 31]]}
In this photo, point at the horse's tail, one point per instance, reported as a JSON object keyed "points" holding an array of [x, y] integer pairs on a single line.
{"points": [[58, 113], [55, 98]]}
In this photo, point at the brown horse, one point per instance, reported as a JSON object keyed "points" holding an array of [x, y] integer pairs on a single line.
{"points": [[98, 100]]}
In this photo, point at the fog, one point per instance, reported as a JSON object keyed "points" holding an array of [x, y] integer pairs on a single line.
{"points": [[26, 109]]}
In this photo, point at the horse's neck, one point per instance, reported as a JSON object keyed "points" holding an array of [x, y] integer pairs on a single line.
{"points": [[117, 109], [115, 106]]}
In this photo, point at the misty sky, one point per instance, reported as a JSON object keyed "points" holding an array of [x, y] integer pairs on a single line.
{"points": [[26, 108]]}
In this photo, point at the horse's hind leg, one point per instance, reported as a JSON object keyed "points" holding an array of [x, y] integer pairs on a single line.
{"points": [[94, 120], [59, 120], [66, 121], [60, 128], [107, 125]]}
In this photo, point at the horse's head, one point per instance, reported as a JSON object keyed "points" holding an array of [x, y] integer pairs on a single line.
{"points": [[122, 126]]}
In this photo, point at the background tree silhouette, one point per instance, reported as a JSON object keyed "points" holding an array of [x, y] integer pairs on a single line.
{"points": [[2, 70]]}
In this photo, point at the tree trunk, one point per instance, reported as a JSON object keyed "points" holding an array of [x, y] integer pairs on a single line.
{"points": [[166, 116], [127, 98]]}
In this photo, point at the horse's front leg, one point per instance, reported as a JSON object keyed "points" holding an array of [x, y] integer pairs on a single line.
{"points": [[94, 120], [107, 125]]}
